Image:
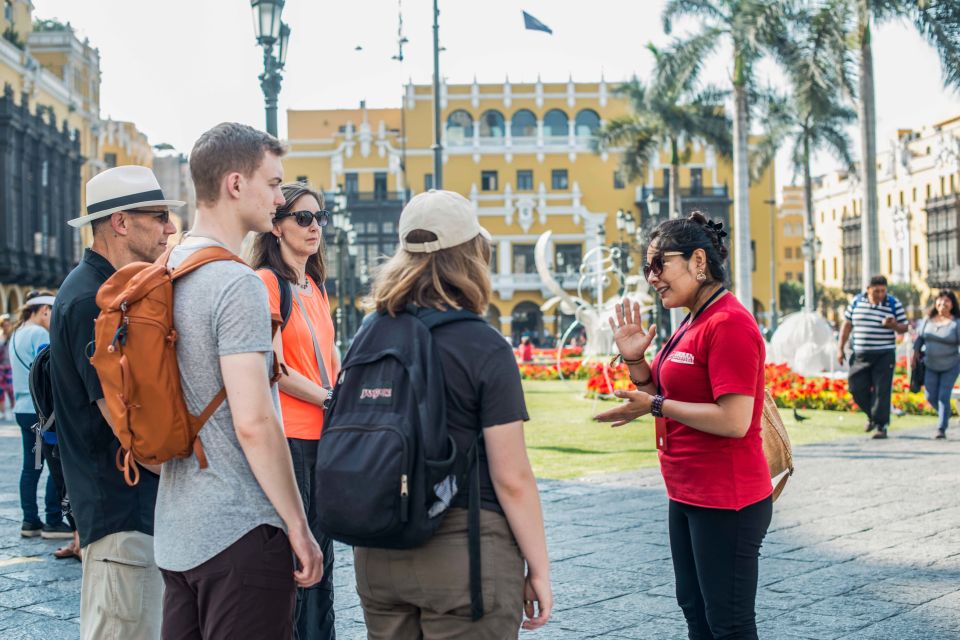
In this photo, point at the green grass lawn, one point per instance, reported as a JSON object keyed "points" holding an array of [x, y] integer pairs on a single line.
{"points": [[564, 442]]}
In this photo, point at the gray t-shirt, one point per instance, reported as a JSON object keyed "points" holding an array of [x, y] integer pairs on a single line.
{"points": [[941, 344], [220, 309]]}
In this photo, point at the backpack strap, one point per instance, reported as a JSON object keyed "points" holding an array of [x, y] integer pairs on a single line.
{"points": [[199, 258], [286, 303], [473, 531]]}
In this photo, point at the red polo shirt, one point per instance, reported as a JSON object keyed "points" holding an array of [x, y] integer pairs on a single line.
{"points": [[721, 353]]}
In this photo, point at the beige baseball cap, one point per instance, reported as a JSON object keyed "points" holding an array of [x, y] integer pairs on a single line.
{"points": [[450, 216]]}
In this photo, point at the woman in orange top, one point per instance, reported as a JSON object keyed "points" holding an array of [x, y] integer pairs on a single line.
{"points": [[291, 256]]}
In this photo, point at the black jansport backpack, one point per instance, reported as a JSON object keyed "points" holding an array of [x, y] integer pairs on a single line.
{"points": [[41, 392], [386, 462]]}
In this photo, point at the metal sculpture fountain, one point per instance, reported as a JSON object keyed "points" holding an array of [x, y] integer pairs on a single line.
{"points": [[598, 270]]}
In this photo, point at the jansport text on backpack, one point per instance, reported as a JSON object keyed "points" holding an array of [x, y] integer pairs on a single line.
{"points": [[136, 360], [386, 461]]}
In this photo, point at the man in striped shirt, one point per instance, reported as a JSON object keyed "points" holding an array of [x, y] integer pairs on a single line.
{"points": [[874, 318]]}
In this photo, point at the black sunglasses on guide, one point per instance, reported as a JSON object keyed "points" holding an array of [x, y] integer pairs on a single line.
{"points": [[306, 218], [655, 266]]}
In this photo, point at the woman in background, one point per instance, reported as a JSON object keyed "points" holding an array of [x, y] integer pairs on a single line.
{"points": [[939, 342], [291, 256]]}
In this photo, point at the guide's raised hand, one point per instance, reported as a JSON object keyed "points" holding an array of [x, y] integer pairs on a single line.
{"points": [[631, 339]]}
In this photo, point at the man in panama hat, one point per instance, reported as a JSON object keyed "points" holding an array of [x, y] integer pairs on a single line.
{"points": [[121, 593]]}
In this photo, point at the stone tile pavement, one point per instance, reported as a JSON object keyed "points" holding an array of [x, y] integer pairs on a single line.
{"points": [[865, 543]]}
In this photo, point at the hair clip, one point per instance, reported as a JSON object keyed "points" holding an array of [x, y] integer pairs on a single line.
{"points": [[718, 228]]}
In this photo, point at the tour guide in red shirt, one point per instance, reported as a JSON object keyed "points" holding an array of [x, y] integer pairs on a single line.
{"points": [[705, 388]]}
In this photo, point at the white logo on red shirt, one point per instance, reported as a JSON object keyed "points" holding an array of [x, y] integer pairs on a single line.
{"points": [[681, 357]]}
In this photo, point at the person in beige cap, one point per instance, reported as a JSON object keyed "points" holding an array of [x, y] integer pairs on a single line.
{"points": [[120, 596], [444, 263]]}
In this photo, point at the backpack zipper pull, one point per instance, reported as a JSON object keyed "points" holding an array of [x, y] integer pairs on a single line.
{"points": [[404, 497]]}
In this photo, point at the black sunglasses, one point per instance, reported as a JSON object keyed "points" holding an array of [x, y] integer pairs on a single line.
{"points": [[655, 266], [162, 216], [305, 218]]}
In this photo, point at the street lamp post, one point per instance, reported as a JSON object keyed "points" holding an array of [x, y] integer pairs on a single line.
{"points": [[437, 140], [661, 317], [773, 265], [271, 33], [342, 228]]}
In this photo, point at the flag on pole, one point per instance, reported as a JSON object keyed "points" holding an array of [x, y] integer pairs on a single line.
{"points": [[531, 23]]}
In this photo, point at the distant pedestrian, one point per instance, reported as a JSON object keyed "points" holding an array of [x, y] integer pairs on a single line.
{"points": [[30, 336], [939, 343], [874, 318], [526, 349], [290, 260], [121, 590], [443, 263], [232, 539], [6, 371], [705, 389]]}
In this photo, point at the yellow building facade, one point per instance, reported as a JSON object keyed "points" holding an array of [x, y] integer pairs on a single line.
{"points": [[918, 181], [523, 153], [789, 235]]}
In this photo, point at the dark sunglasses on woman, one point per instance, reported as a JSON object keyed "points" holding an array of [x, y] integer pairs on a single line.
{"points": [[305, 218], [655, 266]]}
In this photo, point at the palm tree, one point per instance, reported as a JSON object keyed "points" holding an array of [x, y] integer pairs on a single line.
{"points": [[673, 112], [815, 117], [939, 22], [752, 27]]}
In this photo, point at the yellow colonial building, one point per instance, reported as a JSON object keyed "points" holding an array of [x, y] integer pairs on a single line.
{"points": [[919, 214], [523, 153], [789, 235]]}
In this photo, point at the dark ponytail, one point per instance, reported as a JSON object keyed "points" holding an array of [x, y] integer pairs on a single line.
{"points": [[694, 232]]}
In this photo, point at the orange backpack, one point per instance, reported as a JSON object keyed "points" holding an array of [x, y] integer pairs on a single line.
{"points": [[136, 360]]}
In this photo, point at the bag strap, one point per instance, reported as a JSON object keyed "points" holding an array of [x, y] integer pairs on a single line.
{"points": [[324, 378], [199, 258], [473, 532], [13, 347], [286, 302]]}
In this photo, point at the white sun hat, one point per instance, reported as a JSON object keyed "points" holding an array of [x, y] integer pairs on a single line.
{"points": [[448, 215], [121, 189]]}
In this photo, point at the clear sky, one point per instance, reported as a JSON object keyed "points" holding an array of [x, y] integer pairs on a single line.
{"points": [[177, 67]]}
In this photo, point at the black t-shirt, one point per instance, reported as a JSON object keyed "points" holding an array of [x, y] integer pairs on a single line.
{"points": [[102, 502], [483, 390]]}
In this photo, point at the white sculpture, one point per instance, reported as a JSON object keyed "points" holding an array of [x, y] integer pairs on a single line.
{"points": [[598, 270]]}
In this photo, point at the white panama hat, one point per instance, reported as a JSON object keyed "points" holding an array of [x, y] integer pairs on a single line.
{"points": [[120, 189]]}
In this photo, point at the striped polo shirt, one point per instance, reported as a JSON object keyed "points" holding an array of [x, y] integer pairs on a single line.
{"points": [[868, 332]]}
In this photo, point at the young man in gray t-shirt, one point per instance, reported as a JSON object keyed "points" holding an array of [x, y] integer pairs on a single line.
{"points": [[224, 534]]}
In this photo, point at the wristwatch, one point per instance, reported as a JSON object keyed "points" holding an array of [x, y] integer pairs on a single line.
{"points": [[328, 400], [657, 407]]}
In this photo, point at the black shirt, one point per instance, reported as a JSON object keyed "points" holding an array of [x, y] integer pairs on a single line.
{"points": [[483, 390], [102, 502]]}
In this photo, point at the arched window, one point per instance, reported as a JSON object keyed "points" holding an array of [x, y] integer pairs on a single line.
{"points": [[555, 123], [491, 124], [523, 124], [459, 127], [587, 123]]}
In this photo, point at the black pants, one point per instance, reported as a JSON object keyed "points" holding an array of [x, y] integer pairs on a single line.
{"points": [[245, 591], [51, 455], [716, 553], [871, 382], [314, 613]]}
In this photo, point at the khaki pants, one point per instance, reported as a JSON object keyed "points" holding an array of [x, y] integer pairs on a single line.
{"points": [[122, 590], [424, 593]]}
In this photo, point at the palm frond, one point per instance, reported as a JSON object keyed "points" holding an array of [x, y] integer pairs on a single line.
{"points": [[707, 9], [939, 23]]}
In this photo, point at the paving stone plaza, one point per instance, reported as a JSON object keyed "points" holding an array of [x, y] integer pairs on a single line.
{"points": [[865, 543]]}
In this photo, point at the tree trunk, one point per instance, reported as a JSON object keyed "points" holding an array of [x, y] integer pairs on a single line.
{"points": [[675, 205], [867, 113], [809, 253], [743, 268]]}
